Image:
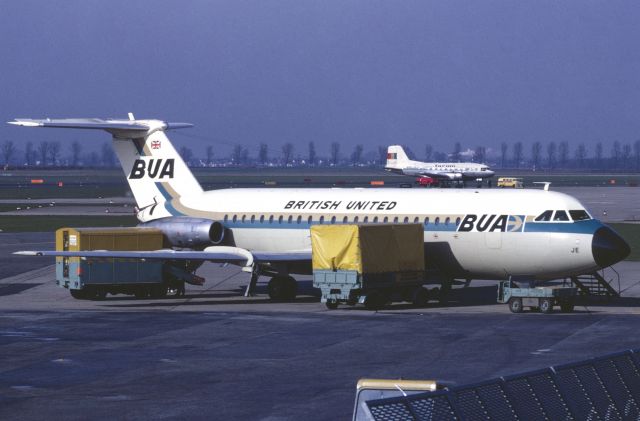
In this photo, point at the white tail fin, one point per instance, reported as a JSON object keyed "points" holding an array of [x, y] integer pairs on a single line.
{"points": [[396, 157], [155, 171]]}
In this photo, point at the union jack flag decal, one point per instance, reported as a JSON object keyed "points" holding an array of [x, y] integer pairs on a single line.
{"points": [[155, 144], [392, 156]]}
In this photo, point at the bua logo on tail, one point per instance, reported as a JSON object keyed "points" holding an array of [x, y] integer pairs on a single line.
{"points": [[154, 168]]}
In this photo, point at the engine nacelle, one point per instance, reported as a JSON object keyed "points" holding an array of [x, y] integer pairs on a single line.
{"points": [[452, 175], [189, 232]]}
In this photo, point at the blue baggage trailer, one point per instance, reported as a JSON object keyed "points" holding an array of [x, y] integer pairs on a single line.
{"points": [[94, 278]]}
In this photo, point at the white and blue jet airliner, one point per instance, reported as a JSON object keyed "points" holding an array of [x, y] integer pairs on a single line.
{"points": [[468, 233]]}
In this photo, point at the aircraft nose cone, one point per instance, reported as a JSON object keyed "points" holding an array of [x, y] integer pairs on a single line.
{"points": [[608, 247]]}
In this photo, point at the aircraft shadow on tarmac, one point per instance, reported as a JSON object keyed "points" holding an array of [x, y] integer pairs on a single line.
{"points": [[458, 297], [11, 289]]}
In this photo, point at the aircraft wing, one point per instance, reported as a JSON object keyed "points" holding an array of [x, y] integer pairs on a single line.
{"points": [[221, 254], [442, 175]]}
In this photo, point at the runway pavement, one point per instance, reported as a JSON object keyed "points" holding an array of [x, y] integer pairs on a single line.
{"points": [[217, 355]]}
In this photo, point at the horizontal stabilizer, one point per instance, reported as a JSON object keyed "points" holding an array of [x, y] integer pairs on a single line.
{"points": [[110, 125]]}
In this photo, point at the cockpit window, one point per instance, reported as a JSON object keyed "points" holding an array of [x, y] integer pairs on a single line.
{"points": [[544, 216], [579, 215], [561, 216]]}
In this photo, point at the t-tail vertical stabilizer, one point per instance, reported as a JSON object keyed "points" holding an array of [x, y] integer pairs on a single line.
{"points": [[155, 171], [397, 159]]}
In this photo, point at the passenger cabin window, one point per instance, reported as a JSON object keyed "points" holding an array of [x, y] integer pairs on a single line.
{"points": [[561, 216], [355, 220], [426, 220], [447, 220], [579, 215], [244, 218], [366, 219], [395, 220], [253, 219], [416, 220], [544, 216], [299, 218], [322, 219], [261, 218], [345, 219], [333, 219], [437, 221], [309, 219], [226, 218], [457, 221], [270, 219], [280, 219], [289, 219], [406, 219], [386, 219], [235, 218], [375, 219]]}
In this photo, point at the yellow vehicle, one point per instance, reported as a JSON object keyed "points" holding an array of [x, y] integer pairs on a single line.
{"points": [[512, 182]]}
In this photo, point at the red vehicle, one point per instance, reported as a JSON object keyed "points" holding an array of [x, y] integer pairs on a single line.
{"points": [[426, 181]]}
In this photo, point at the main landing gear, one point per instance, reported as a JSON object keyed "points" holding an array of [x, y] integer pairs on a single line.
{"points": [[280, 287]]}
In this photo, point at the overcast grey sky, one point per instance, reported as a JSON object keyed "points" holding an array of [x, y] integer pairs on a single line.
{"points": [[369, 72]]}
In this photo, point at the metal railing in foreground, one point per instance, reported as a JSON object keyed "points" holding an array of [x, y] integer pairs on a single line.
{"points": [[606, 388]]}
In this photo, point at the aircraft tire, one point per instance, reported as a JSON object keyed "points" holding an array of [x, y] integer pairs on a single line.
{"points": [[515, 305], [282, 288], [546, 305]]}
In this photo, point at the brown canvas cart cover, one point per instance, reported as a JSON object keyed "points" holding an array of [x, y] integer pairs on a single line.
{"points": [[368, 249], [115, 239]]}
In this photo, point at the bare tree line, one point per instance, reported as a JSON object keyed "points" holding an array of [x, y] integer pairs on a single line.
{"points": [[538, 155]]}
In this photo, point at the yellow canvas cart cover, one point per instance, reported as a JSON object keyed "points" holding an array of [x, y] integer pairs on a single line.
{"points": [[372, 248]]}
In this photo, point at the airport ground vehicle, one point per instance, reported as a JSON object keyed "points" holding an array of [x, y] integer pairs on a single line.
{"points": [[543, 298], [426, 181], [512, 182], [94, 278], [368, 264]]}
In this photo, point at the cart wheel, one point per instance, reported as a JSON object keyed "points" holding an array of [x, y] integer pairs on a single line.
{"points": [[374, 301], [567, 306], [515, 305], [140, 292], [420, 297], [546, 305], [78, 294], [158, 291], [101, 294], [331, 305]]}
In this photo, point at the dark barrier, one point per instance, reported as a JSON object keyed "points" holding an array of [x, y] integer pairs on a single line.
{"points": [[605, 388]]}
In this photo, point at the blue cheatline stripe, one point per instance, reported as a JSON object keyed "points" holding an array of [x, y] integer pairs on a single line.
{"points": [[578, 227], [163, 191]]}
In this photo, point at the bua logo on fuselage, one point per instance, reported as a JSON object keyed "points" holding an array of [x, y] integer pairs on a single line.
{"points": [[492, 223], [154, 168]]}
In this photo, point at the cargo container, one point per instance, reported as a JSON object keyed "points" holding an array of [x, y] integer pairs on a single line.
{"points": [[368, 263], [94, 278]]}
